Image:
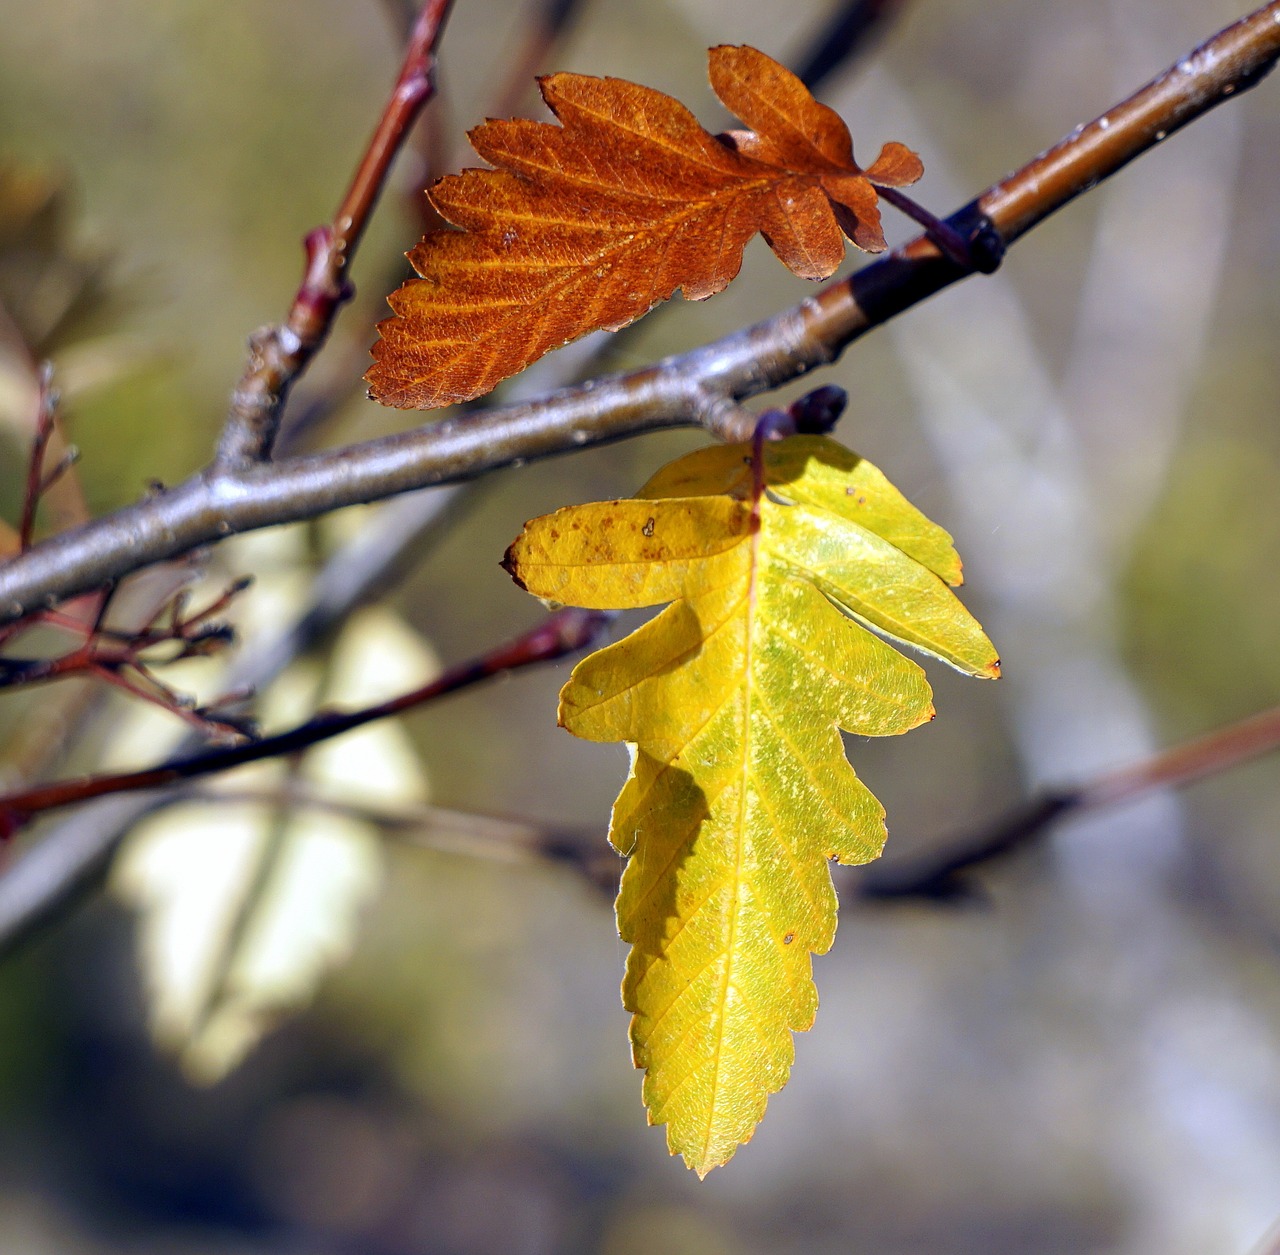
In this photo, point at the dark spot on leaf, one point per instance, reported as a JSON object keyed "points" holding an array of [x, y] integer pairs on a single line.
{"points": [[788, 939], [647, 529]]}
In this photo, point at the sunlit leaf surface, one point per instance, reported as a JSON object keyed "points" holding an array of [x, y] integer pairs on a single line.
{"points": [[732, 699], [589, 224]]}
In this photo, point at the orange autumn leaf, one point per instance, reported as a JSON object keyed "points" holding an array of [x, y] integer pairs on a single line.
{"points": [[589, 224]]}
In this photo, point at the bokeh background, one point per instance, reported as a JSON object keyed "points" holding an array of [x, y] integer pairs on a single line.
{"points": [[1086, 1061]]}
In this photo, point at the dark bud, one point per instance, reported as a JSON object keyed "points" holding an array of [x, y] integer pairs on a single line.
{"points": [[817, 412]]}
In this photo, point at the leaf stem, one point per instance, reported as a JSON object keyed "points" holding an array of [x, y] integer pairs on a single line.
{"points": [[981, 250]]}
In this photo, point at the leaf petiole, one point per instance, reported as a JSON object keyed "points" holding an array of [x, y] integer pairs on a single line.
{"points": [[974, 252]]}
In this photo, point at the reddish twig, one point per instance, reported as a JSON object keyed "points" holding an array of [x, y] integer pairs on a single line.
{"points": [[35, 466], [38, 482], [942, 874], [119, 658], [564, 632], [278, 355]]}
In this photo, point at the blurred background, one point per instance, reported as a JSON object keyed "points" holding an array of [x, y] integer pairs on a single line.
{"points": [[1086, 1060]]}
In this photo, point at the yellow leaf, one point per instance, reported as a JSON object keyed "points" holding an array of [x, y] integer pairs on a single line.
{"points": [[732, 699]]}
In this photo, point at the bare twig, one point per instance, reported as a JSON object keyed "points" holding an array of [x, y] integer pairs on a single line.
{"points": [[36, 479], [547, 24], [497, 838], [699, 387], [564, 632], [941, 874], [849, 32], [127, 658], [279, 354]]}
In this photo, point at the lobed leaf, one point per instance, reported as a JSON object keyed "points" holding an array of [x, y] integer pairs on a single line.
{"points": [[732, 700], [591, 223]]}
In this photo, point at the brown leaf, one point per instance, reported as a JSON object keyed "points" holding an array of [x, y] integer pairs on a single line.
{"points": [[591, 223], [776, 105], [896, 166]]}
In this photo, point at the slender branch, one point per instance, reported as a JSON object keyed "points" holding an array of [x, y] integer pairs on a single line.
{"points": [[699, 387], [564, 632], [45, 410], [941, 874], [850, 31], [938, 876], [497, 838], [548, 23], [279, 354]]}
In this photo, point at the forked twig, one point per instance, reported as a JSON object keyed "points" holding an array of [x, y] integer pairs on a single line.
{"points": [[279, 354], [564, 632]]}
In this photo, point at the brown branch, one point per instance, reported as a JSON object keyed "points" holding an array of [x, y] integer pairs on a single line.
{"points": [[565, 632], [942, 874], [278, 355], [699, 387]]}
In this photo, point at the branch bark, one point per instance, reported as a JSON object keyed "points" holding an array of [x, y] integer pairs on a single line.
{"points": [[278, 355], [699, 387], [943, 874]]}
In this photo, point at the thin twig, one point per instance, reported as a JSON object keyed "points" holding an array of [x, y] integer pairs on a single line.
{"points": [[497, 838], [279, 354], [547, 24], [46, 411], [565, 632], [850, 32], [941, 874], [694, 388]]}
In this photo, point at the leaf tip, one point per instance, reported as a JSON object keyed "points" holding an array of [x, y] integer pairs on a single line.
{"points": [[511, 565]]}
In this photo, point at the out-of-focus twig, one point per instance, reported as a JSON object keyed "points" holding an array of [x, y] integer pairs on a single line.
{"points": [[849, 32], [498, 838], [548, 22], [941, 874], [53, 874]]}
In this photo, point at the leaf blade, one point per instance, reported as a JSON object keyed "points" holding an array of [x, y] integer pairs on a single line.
{"points": [[590, 223], [732, 699]]}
